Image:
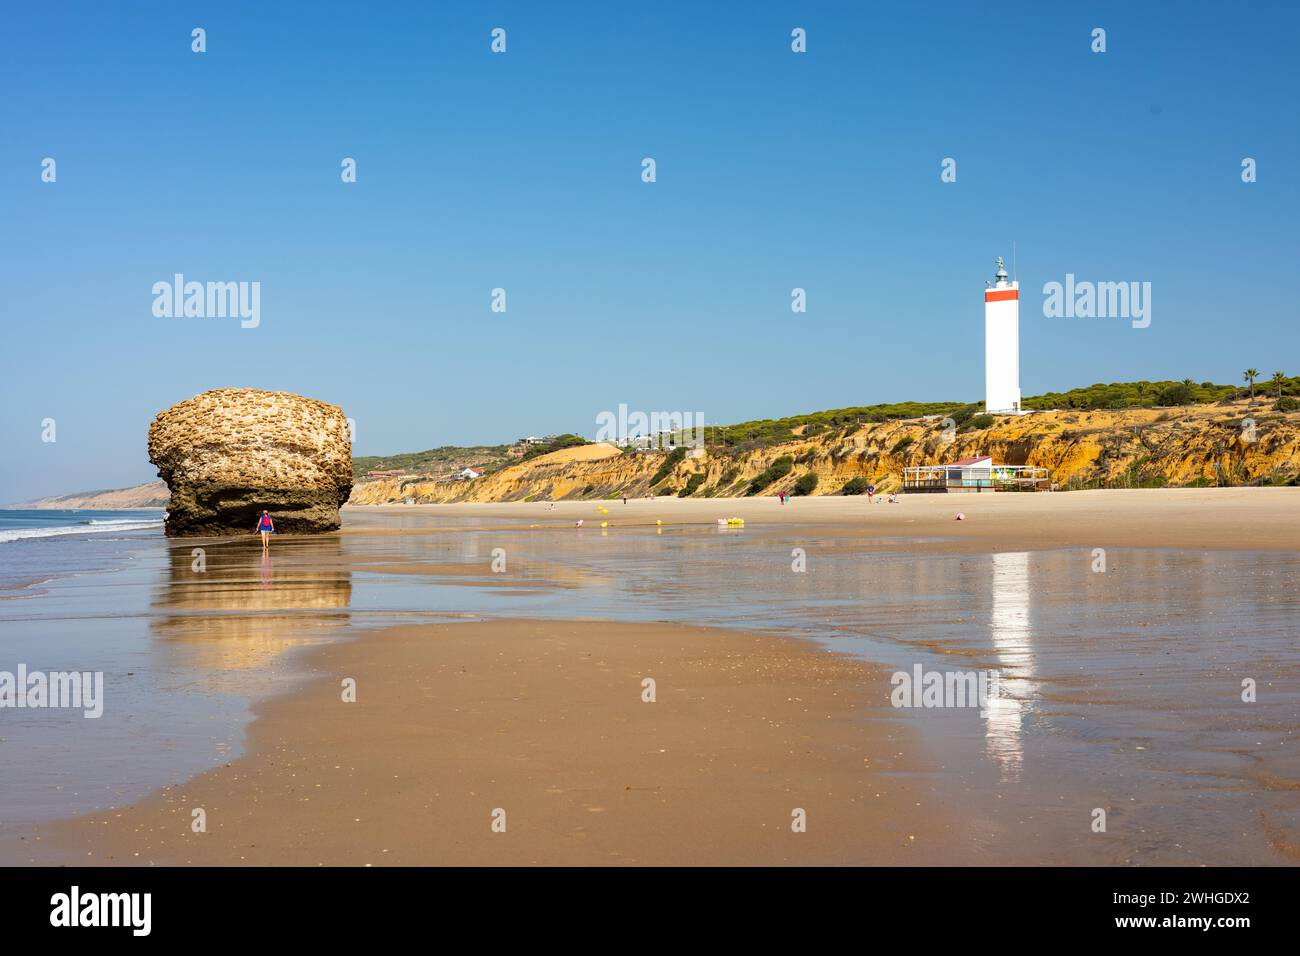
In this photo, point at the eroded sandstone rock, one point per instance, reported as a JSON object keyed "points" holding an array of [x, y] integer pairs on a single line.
{"points": [[230, 453]]}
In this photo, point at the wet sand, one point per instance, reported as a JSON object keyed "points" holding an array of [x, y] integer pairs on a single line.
{"points": [[1123, 686], [545, 721]]}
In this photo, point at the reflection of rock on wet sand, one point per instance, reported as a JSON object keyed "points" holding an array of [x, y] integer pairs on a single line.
{"points": [[245, 608], [1011, 634]]}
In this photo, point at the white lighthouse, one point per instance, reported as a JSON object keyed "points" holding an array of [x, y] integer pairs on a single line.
{"points": [[1002, 344]]}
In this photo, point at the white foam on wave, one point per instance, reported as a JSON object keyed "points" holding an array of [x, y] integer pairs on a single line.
{"points": [[118, 524]]}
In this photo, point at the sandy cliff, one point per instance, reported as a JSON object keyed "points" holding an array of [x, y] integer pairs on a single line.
{"points": [[152, 495], [1197, 445]]}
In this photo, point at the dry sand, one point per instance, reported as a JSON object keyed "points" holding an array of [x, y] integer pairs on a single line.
{"points": [[1252, 518], [595, 451]]}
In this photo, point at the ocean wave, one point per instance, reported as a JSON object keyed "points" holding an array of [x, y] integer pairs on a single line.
{"points": [[120, 524]]}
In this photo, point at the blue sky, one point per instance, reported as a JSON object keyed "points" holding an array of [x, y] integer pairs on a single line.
{"points": [[522, 171]]}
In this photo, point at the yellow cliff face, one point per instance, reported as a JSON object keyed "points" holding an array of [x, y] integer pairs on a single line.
{"points": [[1230, 444], [152, 496]]}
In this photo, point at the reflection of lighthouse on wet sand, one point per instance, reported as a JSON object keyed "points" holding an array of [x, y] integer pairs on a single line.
{"points": [[1010, 632]]}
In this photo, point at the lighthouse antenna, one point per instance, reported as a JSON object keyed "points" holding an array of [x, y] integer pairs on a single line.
{"points": [[1015, 276]]}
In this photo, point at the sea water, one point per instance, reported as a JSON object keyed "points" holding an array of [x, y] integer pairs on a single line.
{"points": [[37, 545]]}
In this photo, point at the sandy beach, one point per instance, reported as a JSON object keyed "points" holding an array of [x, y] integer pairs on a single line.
{"points": [[1217, 518], [545, 721], [480, 692]]}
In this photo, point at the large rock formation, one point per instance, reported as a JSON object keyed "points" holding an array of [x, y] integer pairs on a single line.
{"points": [[230, 453]]}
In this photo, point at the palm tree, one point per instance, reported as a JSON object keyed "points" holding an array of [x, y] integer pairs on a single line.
{"points": [[1250, 375], [1277, 381]]}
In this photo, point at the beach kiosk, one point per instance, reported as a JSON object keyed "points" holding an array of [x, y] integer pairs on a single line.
{"points": [[975, 474]]}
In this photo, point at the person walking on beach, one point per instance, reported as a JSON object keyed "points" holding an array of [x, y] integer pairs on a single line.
{"points": [[267, 527]]}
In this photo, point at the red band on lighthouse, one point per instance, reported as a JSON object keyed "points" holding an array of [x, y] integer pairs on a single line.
{"points": [[1001, 295]]}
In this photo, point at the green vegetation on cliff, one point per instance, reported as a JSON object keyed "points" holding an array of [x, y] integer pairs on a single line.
{"points": [[444, 458], [764, 432], [778, 469], [1160, 394], [674, 458], [805, 484]]}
